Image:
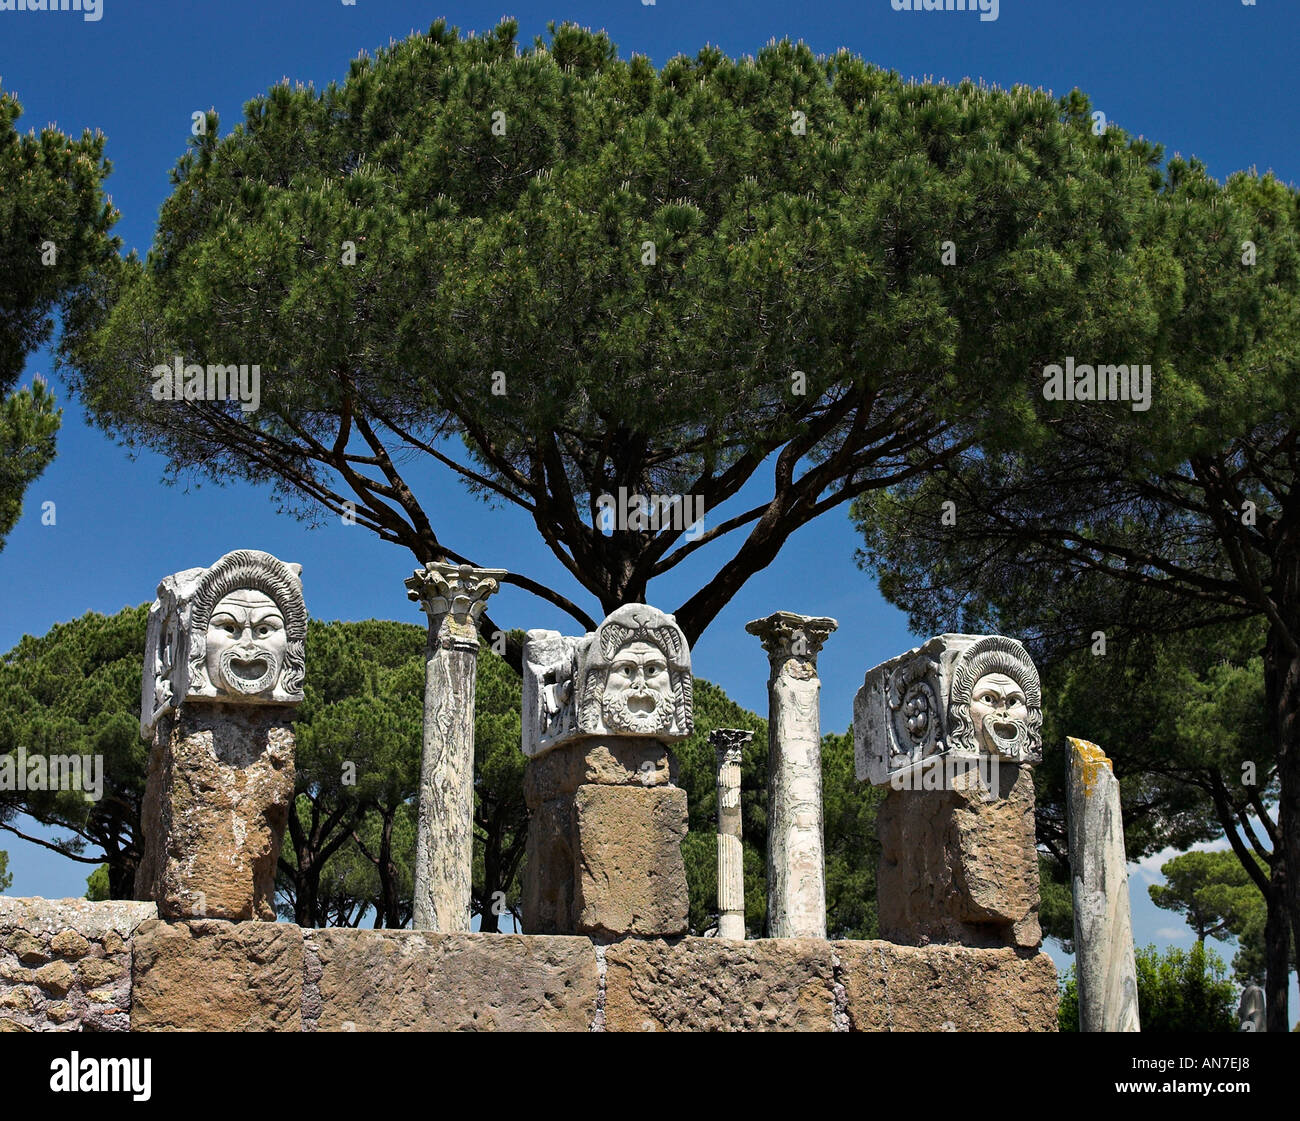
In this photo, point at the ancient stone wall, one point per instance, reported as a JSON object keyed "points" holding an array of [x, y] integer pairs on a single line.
{"points": [[65, 964], [69, 965]]}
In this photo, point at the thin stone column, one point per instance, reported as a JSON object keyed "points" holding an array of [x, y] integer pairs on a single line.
{"points": [[796, 873], [453, 596], [729, 743], [1103, 928]]}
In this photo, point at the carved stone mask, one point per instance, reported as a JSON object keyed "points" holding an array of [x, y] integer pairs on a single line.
{"points": [[1000, 713], [638, 690], [246, 644]]}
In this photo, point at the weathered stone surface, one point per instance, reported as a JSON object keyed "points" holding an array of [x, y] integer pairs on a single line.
{"points": [[960, 864], [604, 857], [406, 980], [18, 998], [796, 866], [69, 967], [631, 875], [217, 976], [215, 809], [61, 1013], [69, 944], [945, 988], [716, 984], [26, 947], [1103, 929], [56, 978], [606, 761], [96, 921], [550, 871], [93, 972]]}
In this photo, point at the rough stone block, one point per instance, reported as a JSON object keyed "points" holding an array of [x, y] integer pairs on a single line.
{"points": [[960, 864], [69, 944], [631, 875], [56, 978], [215, 809], [945, 988], [607, 761], [26, 947], [400, 980], [96, 921], [604, 841], [716, 984], [549, 869], [217, 976]]}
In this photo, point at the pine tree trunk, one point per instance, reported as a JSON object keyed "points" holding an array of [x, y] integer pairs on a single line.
{"points": [[1277, 948], [489, 920], [1282, 684], [388, 871]]}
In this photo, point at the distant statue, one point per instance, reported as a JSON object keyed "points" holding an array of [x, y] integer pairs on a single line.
{"points": [[1250, 1013]]}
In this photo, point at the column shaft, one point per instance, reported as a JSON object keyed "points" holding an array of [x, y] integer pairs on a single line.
{"points": [[1103, 928], [796, 876], [453, 597], [729, 744]]}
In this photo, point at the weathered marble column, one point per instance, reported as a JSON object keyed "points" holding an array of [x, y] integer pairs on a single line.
{"points": [[453, 596], [1103, 928], [223, 672], [796, 872], [607, 819], [729, 743], [953, 729]]}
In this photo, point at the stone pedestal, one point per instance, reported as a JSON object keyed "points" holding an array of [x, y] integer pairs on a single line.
{"points": [[1103, 929], [453, 596], [958, 861], [729, 743], [604, 840], [223, 673], [796, 874], [216, 804]]}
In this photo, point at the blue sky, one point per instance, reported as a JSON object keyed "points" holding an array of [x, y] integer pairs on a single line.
{"points": [[1212, 79]]}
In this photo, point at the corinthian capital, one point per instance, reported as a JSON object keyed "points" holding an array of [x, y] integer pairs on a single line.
{"points": [[454, 596], [787, 636], [729, 743]]}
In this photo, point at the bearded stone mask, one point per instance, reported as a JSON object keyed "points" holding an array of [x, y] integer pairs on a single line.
{"points": [[246, 644], [638, 691], [631, 676], [1000, 714]]}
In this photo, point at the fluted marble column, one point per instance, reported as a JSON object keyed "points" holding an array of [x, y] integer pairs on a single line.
{"points": [[453, 596], [796, 873], [729, 743]]}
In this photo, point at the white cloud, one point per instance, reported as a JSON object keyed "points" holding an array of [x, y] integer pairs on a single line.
{"points": [[1149, 866]]}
